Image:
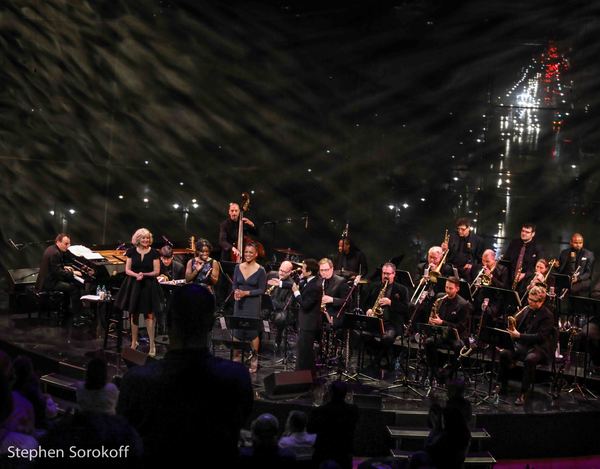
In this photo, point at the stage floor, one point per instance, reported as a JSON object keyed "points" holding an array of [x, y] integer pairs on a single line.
{"points": [[385, 397]]}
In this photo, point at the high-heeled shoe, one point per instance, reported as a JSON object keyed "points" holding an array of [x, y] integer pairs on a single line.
{"points": [[152, 351], [135, 345]]}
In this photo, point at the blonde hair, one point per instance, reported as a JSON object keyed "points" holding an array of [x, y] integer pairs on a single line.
{"points": [[326, 260], [537, 293], [139, 234]]}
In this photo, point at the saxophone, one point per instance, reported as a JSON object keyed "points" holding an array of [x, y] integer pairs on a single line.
{"points": [[436, 307], [377, 310], [512, 320]]}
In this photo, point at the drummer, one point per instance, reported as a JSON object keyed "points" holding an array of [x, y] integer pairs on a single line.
{"points": [[350, 260]]}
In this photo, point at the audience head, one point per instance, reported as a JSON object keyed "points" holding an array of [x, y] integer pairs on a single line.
{"points": [[96, 374], [265, 430], [456, 389], [192, 316], [296, 422], [23, 372]]}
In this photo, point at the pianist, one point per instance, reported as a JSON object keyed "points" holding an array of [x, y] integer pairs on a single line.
{"points": [[170, 269], [54, 275]]}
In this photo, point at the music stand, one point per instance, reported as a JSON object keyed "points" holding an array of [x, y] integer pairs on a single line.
{"points": [[590, 307], [403, 277], [464, 291], [242, 323], [496, 338], [365, 325], [509, 299]]}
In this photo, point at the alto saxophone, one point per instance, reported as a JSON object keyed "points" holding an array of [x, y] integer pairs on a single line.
{"points": [[377, 310]]}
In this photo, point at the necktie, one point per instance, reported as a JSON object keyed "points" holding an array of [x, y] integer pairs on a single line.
{"points": [[520, 259]]}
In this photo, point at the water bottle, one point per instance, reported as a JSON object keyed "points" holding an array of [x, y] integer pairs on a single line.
{"points": [[98, 290]]}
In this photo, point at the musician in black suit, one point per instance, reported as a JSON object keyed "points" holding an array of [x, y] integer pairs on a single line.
{"points": [[465, 249], [54, 275], [534, 338], [335, 289], [434, 258], [308, 295], [228, 232], [454, 313], [580, 261], [350, 258], [393, 304], [521, 265], [498, 278], [279, 289]]}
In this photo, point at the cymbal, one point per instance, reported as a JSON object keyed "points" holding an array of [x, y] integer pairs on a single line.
{"points": [[288, 251], [346, 273]]}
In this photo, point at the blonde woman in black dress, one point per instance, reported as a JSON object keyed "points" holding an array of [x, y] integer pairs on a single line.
{"points": [[140, 292]]}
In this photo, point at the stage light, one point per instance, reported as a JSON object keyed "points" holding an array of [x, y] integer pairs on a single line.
{"points": [[194, 201], [51, 212], [72, 211], [175, 206], [145, 200], [121, 196], [195, 205]]}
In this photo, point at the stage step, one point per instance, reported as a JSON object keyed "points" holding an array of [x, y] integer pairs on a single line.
{"points": [[478, 435], [63, 383], [473, 460]]}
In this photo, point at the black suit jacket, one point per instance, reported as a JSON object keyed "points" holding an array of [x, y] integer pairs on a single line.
{"points": [[584, 258], [337, 288], [469, 252], [533, 253], [500, 278], [456, 313], [309, 316], [176, 271], [537, 332], [52, 269], [395, 314], [228, 235]]}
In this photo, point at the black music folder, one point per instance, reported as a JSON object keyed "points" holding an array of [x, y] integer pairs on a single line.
{"points": [[582, 305], [509, 298], [363, 323], [497, 337], [465, 291], [403, 277]]}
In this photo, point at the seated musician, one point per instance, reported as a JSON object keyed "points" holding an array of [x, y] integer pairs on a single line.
{"points": [[350, 259], [534, 339], [495, 275], [391, 304], [434, 259], [540, 277], [453, 312], [228, 233], [170, 269], [279, 288], [465, 249], [578, 263], [54, 275], [202, 269]]}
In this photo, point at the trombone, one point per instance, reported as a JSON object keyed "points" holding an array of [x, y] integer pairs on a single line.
{"points": [[432, 275]]}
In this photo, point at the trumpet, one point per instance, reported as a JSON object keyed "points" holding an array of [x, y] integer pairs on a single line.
{"points": [[576, 275]]}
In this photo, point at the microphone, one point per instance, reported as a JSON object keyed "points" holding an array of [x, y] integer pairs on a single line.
{"points": [[485, 303], [167, 240], [306, 222]]}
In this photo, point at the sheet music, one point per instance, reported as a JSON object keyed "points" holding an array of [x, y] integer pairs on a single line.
{"points": [[85, 252]]}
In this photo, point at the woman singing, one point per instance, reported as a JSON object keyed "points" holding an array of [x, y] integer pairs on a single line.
{"points": [[202, 269], [249, 283], [140, 292]]}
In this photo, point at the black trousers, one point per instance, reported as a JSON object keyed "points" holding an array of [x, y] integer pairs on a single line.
{"points": [[305, 356], [72, 295], [530, 357], [431, 351]]}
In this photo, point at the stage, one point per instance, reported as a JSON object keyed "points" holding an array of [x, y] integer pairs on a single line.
{"points": [[544, 427]]}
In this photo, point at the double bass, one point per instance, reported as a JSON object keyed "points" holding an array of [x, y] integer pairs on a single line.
{"points": [[244, 239]]}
